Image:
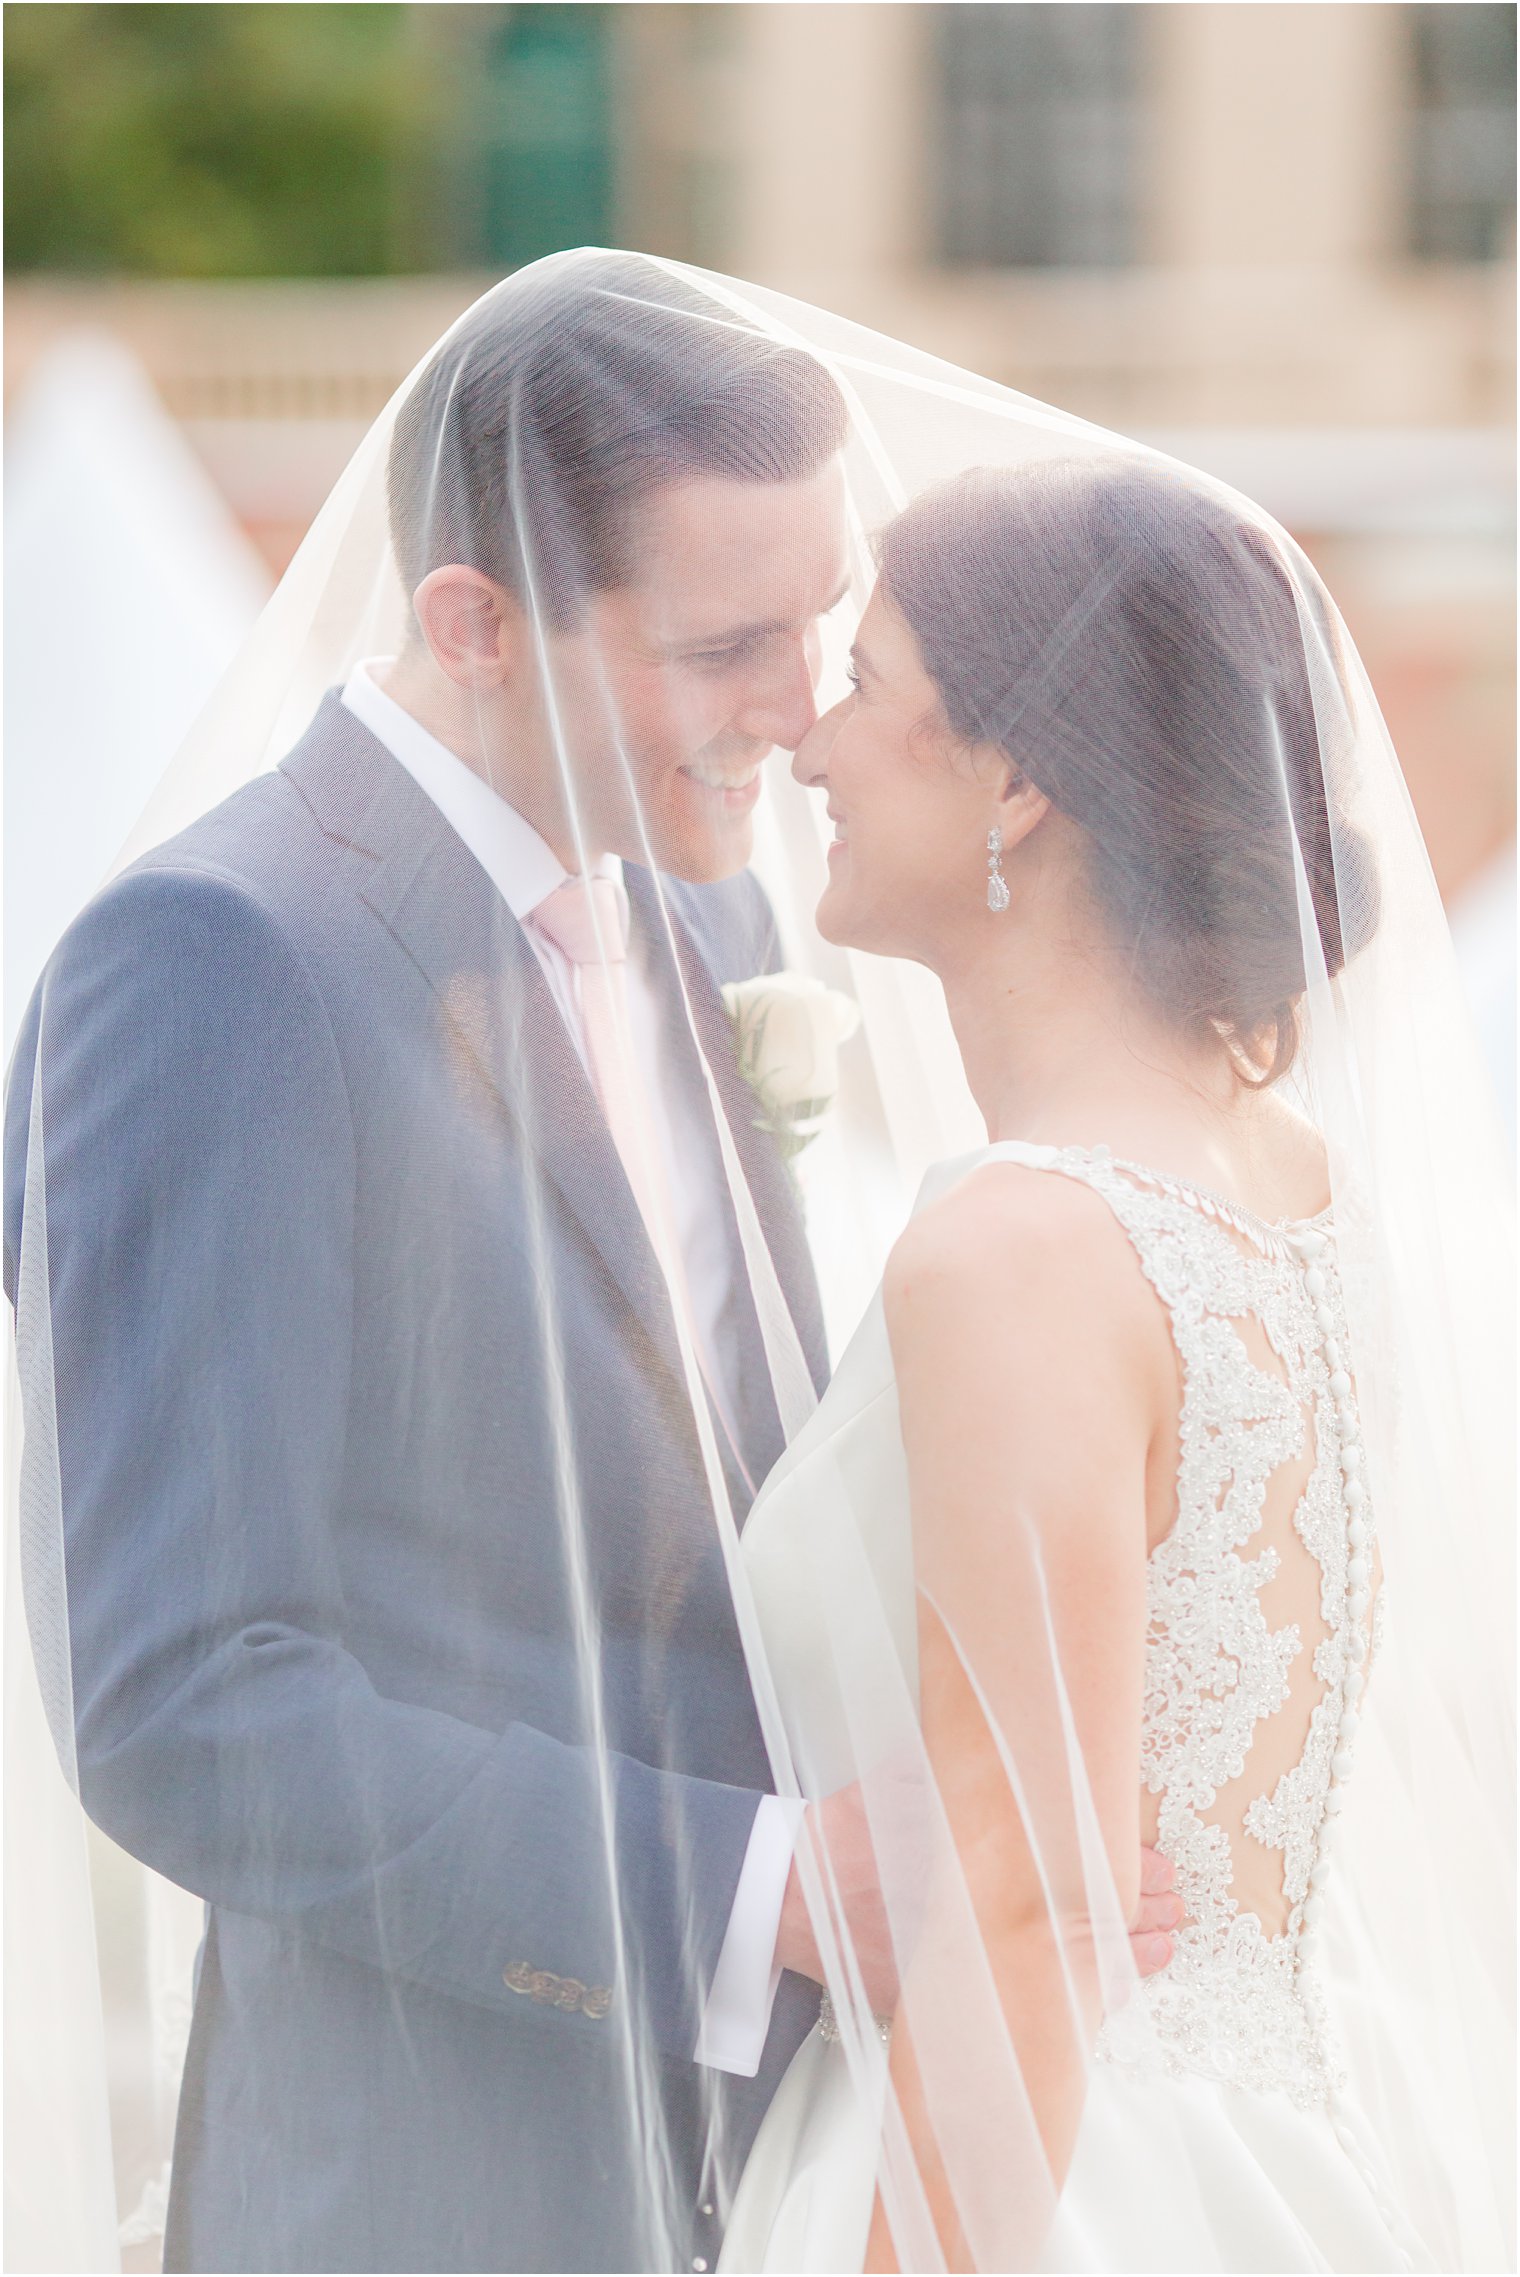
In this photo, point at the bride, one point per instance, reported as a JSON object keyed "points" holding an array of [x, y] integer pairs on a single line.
{"points": [[1090, 1490]]}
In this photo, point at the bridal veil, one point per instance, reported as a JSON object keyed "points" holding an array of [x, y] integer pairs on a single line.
{"points": [[529, 446]]}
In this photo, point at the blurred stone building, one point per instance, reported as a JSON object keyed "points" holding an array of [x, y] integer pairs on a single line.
{"points": [[1240, 213], [1277, 238]]}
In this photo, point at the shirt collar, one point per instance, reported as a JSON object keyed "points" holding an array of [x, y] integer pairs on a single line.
{"points": [[521, 866]]}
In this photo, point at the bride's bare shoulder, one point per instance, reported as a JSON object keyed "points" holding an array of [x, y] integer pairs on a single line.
{"points": [[1028, 1348], [1031, 1251]]}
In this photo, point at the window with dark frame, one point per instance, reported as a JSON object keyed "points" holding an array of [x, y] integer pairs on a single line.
{"points": [[1462, 131], [1037, 134]]}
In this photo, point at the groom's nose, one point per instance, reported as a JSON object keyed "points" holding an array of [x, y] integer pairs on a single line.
{"points": [[810, 764], [781, 706]]}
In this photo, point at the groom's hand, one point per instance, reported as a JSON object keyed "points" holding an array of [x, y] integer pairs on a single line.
{"points": [[1157, 1915]]}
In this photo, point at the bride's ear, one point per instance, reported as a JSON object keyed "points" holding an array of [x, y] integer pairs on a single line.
{"points": [[1021, 806]]}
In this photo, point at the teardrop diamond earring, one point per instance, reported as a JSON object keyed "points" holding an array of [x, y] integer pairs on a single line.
{"points": [[997, 884]]}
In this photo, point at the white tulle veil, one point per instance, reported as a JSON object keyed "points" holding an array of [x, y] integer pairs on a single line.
{"points": [[1418, 1925]]}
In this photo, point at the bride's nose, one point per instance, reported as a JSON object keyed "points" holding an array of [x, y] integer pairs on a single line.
{"points": [[810, 760]]}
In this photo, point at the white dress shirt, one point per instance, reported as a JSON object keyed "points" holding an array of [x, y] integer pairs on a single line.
{"points": [[525, 871]]}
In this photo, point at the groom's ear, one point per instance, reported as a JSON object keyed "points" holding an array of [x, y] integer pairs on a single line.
{"points": [[472, 626]]}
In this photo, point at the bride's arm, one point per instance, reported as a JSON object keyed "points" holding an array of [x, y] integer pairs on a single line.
{"points": [[1032, 1372]]}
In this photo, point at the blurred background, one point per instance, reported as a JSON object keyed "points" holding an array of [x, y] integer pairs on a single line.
{"points": [[1277, 239]]}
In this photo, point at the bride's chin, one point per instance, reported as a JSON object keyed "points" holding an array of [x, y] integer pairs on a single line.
{"points": [[831, 918], [843, 921]]}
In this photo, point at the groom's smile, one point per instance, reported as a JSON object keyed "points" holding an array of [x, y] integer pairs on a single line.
{"points": [[729, 790]]}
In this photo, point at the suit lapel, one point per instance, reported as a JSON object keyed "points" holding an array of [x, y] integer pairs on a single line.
{"points": [[432, 896], [771, 1187], [437, 903]]}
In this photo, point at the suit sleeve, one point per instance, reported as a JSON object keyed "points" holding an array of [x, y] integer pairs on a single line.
{"points": [[199, 1166]]}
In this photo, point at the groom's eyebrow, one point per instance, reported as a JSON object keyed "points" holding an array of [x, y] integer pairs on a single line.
{"points": [[758, 628]]}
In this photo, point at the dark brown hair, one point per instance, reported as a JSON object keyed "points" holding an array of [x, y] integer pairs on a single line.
{"points": [[1132, 645], [571, 392]]}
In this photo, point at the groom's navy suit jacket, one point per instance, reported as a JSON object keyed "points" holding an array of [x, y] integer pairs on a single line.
{"points": [[379, 1488]]}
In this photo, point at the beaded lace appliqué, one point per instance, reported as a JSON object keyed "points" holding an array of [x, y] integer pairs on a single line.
{"points": [[1237, 2004]]}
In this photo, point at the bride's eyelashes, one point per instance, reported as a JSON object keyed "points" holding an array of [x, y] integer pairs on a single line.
{"points": [[853, 677]]}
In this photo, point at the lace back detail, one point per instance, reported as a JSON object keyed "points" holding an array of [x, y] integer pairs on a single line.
{"points": [[1259, 1626]]}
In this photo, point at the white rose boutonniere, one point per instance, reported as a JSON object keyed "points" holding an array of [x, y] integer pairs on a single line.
{"points": [[788, 1028]]}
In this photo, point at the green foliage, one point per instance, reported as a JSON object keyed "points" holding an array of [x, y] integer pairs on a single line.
{"points": [[206, 140], [294, 140]]}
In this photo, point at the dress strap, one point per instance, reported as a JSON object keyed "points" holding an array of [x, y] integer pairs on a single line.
{"points": [[1113, 1176], [1095, 1168]]}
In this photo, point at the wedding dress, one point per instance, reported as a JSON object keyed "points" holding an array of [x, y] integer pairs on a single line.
{"points": [[1262, 1615]]}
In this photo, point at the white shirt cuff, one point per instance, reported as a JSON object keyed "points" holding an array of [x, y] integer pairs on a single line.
{"points": [[737, 2017]]}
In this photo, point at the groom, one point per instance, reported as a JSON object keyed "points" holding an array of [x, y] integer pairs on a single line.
{"points": [[399, 1621], [400, 1624]]}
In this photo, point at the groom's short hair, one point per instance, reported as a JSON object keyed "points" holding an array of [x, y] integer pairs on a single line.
{"points": [[571, 392]]}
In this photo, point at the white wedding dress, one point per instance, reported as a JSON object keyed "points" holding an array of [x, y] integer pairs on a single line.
{"points": [[1262, 1607]]}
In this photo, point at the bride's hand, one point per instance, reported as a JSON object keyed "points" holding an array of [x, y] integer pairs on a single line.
{"points": [[1157, 1915], [839, 1824]]}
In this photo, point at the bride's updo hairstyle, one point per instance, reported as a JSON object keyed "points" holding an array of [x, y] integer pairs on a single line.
{"points": [[1132, 646]]}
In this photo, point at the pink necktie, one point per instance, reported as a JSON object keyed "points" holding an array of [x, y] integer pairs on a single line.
{"points": [[585, 919]]}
